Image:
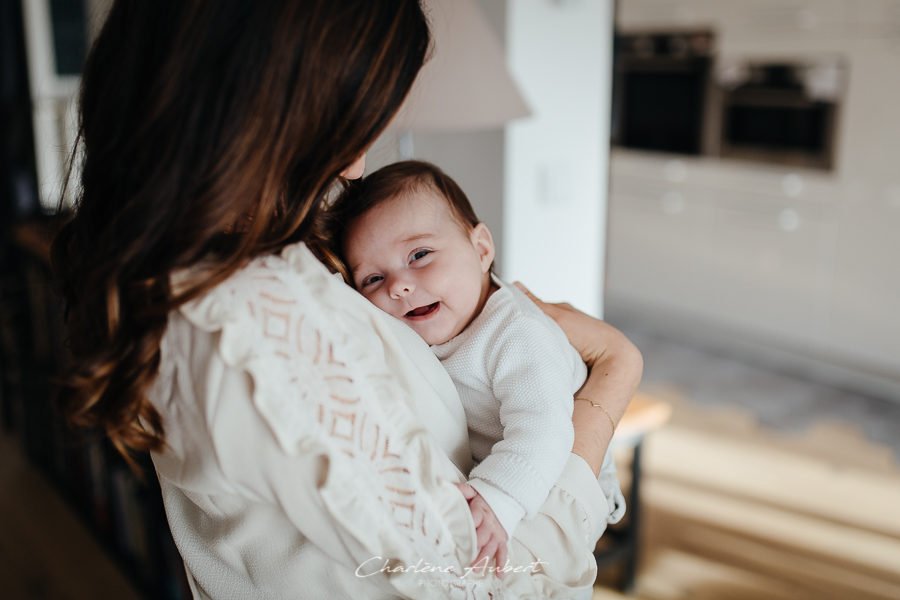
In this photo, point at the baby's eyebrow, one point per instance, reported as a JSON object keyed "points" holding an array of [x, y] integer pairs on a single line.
{"points": [[417, 237], [354, 269]]}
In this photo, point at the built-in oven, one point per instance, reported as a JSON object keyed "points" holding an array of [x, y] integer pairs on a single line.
{"points": [[672, 93], [661, 90], [780, 112]]}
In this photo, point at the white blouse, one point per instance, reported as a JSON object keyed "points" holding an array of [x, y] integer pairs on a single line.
{"points": [[312, 445]]}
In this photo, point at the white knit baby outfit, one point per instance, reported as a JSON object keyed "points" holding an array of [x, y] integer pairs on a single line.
{"points": [[516, 375]]}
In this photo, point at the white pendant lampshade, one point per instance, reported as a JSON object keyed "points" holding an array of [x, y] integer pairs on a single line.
{"points": [[465, 85]]}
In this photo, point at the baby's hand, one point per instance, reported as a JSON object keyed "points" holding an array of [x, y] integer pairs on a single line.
{"points": [[492, 538]]}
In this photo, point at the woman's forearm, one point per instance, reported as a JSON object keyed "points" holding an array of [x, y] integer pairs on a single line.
{"points": [[612, 381]]}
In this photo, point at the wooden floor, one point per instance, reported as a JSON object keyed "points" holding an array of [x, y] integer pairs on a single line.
{"points": [[731, 512]]}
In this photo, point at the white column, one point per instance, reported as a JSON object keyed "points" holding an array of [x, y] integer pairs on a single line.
{"points": [[560, 53]]}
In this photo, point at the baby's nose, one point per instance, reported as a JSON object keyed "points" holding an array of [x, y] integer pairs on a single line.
{"points": [[400, 289]]}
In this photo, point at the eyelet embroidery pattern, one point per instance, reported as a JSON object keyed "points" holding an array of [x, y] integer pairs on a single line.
{"points": [[320, 381]]}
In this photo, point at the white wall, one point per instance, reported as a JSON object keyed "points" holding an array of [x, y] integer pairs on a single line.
{"points": [[556, 161], [474, 159], [541, 185]]}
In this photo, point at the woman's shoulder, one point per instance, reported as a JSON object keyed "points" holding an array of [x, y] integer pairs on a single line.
{"points": [[265, 290], [284, 305], [281, 320]]}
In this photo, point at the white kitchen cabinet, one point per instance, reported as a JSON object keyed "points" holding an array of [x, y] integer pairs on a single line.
{"points": [[743, 258], [780, 259], [659, 242], [864, 305]]}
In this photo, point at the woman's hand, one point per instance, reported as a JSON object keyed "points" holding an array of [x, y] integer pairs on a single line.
{"points": [[615, 366]]}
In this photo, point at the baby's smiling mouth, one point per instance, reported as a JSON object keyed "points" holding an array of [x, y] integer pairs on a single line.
{"points": [[422, 311]]}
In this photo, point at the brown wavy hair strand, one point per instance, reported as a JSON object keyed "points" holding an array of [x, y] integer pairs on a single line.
{"points": [[211, 132]]}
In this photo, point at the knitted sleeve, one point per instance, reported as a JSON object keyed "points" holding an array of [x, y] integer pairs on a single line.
{"points": [[532, 382]]}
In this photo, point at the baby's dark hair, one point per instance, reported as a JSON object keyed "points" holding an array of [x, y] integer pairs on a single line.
{"points": [[404, 177]]}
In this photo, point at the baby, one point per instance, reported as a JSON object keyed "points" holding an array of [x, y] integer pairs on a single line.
{"points": [[415, 248]]}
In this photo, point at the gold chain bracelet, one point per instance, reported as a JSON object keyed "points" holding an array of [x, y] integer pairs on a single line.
{"points": [[612, 423]]}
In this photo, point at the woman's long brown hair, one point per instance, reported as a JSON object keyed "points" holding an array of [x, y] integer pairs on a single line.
{"points": [[211, 131]]}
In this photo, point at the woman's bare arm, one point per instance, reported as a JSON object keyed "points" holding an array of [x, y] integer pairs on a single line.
{"points": [[614, 365]]}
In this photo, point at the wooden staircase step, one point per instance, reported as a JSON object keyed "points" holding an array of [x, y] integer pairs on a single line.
{"points": [[784, 566], [849, 496], [678, 575], [831, 531]]}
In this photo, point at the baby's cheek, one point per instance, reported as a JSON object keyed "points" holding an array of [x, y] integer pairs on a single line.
{"points": [[382, 302]]}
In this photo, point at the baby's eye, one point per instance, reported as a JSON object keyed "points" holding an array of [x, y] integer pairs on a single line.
{"points": [[370, 280], [419, 254]]}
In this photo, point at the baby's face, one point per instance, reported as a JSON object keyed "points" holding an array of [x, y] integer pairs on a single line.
{"points": [[411, 258]]}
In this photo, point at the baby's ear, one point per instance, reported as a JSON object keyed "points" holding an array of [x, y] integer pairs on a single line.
{"points": [[483, 242]]}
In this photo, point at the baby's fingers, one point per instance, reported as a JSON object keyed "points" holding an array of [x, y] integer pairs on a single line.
{"points": [[478, 516], [486, 554], [484, 534], [502, 552], [467, 490]]}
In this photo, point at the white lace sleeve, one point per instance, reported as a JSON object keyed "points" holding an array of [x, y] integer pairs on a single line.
{"points": [[333, 444]]}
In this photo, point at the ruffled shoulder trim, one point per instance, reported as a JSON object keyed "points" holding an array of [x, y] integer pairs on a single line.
{"points": [[268, 316], [321, 383]]}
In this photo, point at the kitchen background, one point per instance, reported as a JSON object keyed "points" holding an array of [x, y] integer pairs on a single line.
{"points": [[755, 198]]}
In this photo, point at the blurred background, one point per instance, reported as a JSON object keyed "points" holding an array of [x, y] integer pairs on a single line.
{"points": [[717, 178]]}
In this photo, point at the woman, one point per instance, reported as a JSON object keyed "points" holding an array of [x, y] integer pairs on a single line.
{"points": [[306, 446]]}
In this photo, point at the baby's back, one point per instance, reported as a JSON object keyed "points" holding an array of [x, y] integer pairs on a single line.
{"points": [[510, 351]]}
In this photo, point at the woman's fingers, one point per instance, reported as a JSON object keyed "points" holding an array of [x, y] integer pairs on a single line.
{"points": [[554, 311], [591, 337], [540, 303], [526, 291], [563, 313]]}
